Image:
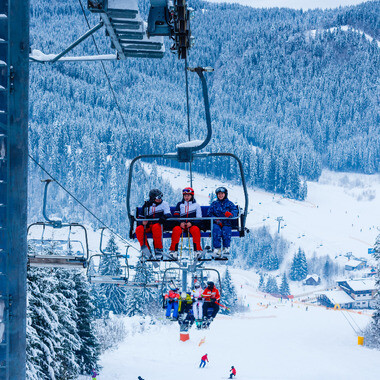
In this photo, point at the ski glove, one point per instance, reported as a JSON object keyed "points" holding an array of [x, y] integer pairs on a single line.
{"points": [[228, 214], [162, 220]]}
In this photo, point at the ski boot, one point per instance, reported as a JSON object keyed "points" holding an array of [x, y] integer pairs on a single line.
{"points": [[158, 253]]}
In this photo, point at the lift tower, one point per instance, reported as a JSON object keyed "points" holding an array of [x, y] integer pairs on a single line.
{"points": [[14, 67]]}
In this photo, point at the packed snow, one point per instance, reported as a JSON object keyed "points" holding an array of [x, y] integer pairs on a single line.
{"points": [[274, 340]]}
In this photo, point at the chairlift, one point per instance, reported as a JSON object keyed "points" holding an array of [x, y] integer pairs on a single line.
{"points": [[130, 35], [186, 154], [120, 279], [73, 253], [174, 276]]}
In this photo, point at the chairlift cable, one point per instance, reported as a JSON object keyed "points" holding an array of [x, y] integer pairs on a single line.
{"points": [[80, 203], [109, 83]]}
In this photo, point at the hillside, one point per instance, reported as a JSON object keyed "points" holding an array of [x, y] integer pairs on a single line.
{"points": [[337, 217], [286, 104]]}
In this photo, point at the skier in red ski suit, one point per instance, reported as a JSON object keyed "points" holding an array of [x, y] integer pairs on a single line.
{"points": [[233, 372], [204, 358]]}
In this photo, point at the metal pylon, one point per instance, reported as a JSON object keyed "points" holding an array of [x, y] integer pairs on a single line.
{"points": [[14, 50]]}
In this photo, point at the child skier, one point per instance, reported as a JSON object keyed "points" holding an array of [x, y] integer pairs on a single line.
{"points": [[204, 358], [232, 372], [197, 303], [172, 299], [222, 208]]}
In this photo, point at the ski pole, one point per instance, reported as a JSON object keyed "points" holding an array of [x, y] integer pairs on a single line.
{"points": [[180, 254], [227, 308]]}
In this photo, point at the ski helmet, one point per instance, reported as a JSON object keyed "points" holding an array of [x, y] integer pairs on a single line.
{"points": [[197, 285], [210, 284], [188, 190], [155, 194], [221, 189]]}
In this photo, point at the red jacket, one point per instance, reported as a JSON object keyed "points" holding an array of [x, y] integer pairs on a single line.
{"points": [[204, 358], [233, 371], [208, 294], [172, 295]]}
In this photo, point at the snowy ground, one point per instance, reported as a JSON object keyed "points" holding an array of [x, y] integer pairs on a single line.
{"points": [[275, 342], [294, 4], [340, 214]]}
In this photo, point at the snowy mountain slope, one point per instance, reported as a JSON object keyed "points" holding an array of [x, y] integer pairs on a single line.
{"points": [[294, 4], [345, 28], [340, 214], [275, 340]]}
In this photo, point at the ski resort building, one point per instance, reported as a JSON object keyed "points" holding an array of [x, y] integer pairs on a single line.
{"points": [[312, 279], [351, 294], [355, 265]]}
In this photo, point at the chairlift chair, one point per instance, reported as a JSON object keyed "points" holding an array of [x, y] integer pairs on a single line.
{"points": [[44, 255], [186, 154]]}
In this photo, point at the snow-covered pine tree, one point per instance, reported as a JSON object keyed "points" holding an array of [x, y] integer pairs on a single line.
{"points": [[273, 262], [271, 286], [294, 268], [284, 287], [66, 310], [111, 297], [45, 321], [261, 283], [372, 334], [229, 294], [298, 268], [34, 351], [88, 353], [144, 301], [302, 264]]}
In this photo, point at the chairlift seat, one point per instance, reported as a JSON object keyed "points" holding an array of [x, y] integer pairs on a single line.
{"points": [[205, 224], [57, 261]]}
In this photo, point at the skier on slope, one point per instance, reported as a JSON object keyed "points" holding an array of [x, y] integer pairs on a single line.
{"points": [[204, 358], [212, 297], [222, 228], [187, 208], [94, 374], [232, 372], [155, 208], [172, 299], [197, 303]]}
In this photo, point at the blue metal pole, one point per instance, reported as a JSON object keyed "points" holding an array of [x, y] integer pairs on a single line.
{"points": [[14, 82]]}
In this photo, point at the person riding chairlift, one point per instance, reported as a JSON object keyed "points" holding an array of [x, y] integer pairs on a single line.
{"points": [[222, 228], [155, 208], [187, 208], [211, 296], [172, 299], [197, 303]]}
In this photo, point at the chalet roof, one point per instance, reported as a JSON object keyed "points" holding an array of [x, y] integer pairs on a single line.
{"points": [[354, 263], [315, 277], [337, 296], [362, 284]]}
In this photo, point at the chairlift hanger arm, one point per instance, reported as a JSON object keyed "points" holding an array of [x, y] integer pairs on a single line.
{"points": [[70, 47]]}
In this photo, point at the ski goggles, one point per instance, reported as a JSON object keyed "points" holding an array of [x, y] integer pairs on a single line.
{"points": [[221, 190], [187, 191], [158, 196]]}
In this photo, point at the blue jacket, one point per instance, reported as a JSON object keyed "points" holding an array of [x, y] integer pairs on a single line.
{"points": [[218, 208]]}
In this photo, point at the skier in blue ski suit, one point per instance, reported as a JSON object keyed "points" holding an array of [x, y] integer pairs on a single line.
{"points": [[222, 229]]}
